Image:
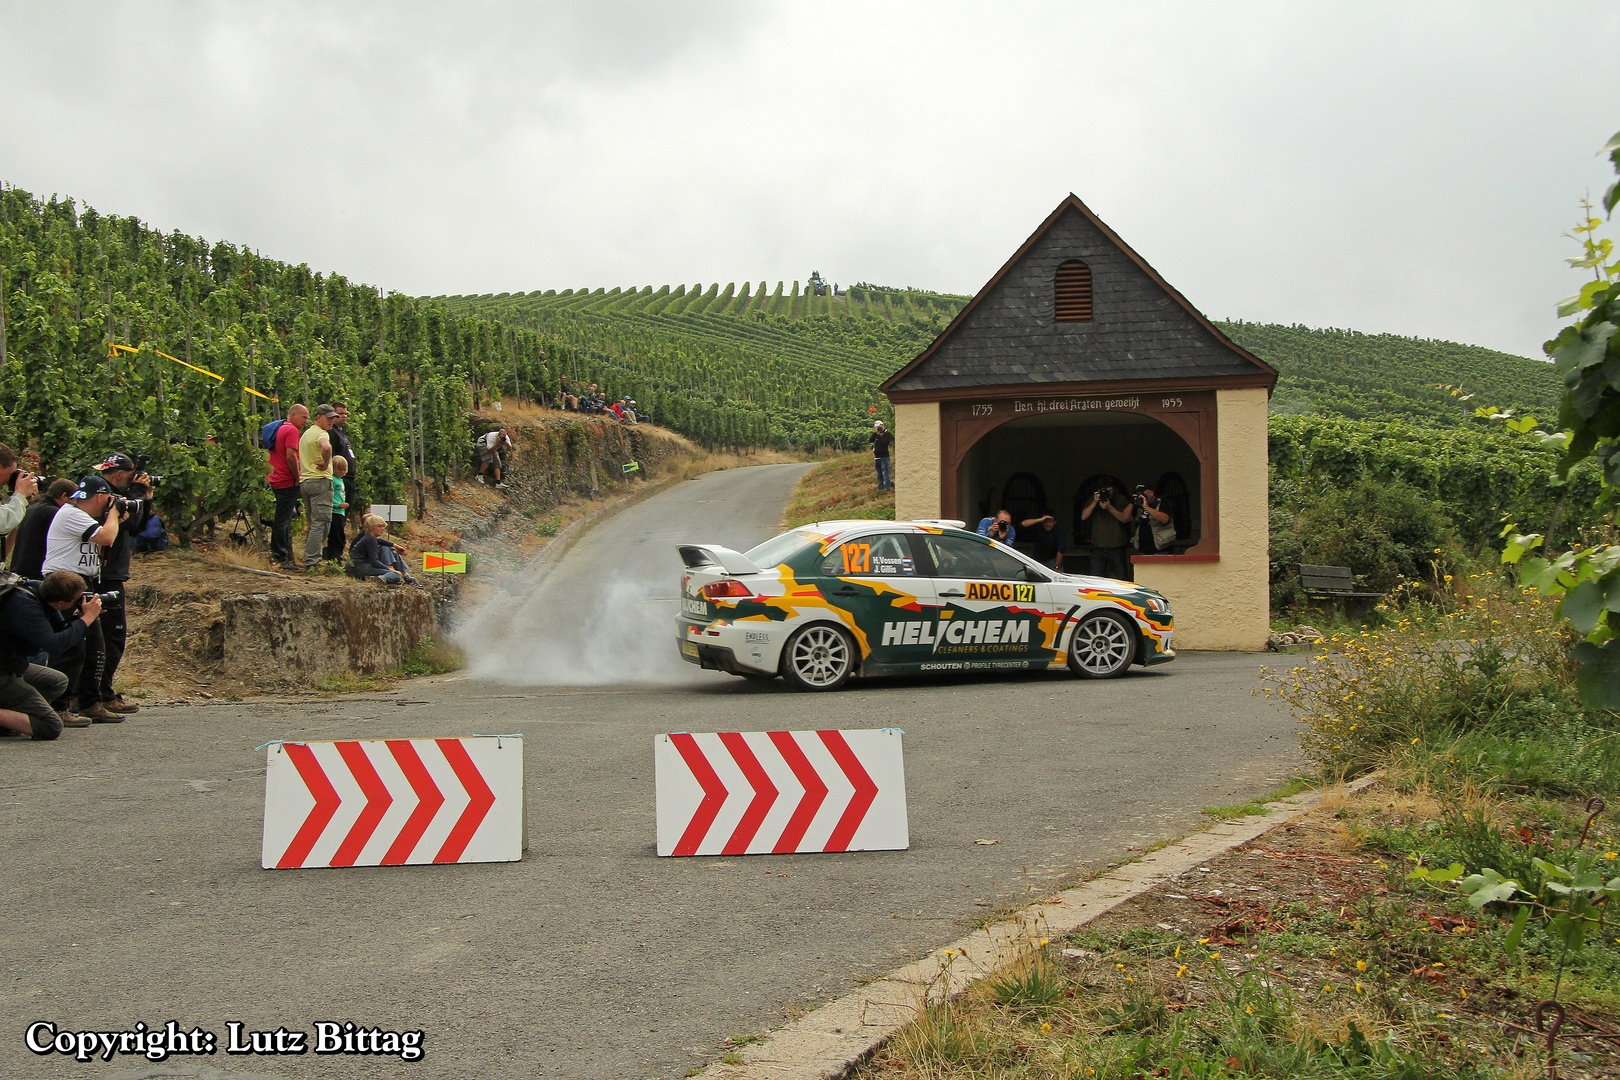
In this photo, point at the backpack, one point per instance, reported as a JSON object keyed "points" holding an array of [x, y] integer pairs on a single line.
{"points": [[10, 582], [267, 434], [151, 538]]}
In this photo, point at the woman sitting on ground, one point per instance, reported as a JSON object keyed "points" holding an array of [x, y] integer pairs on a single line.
{"points": [[373, 555]]}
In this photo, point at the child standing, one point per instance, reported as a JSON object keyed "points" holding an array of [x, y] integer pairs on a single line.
{"points": [[335, 536]]}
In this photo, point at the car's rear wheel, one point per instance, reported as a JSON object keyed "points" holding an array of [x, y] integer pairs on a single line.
{"points": [[819, 657], [1102, 647]]}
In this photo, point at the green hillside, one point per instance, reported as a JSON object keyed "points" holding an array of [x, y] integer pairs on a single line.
{"points": [[801, 369], [213, 340], [786, 367], [1385, 377]]}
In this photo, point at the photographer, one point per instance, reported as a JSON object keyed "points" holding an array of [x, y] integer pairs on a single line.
{"points": [[21, 487], [28, 556], [31, 623], [1110, 532], [82, 526], [1047, 539], [1151, 522], [999, 528], [132, 489]]}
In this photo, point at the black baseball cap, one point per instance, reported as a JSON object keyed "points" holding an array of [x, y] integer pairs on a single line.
{"points": [[91, 486]]}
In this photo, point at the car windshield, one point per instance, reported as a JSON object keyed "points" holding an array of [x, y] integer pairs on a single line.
{"points": [[777, 550]]}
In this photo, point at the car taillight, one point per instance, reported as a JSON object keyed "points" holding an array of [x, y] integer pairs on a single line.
{"points": [[714, 590]]}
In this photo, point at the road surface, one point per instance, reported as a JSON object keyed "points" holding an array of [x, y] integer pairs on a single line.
{"points": [[133, 893]]}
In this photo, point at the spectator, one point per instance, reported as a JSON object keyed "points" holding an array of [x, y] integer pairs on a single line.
{"points": [[315, 481], [999, 528], [31, 623], [373, 555], [28, 558], [338, 533], [1110, 532], [632, 411], [119, 472], [22, 487], [1047, 540], [489, 452], [342, 447], [78, 532], [283, 480], [881, 440]]}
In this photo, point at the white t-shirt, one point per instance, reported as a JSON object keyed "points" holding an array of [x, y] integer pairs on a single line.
{"points": [[68, 546], [490, 439]]}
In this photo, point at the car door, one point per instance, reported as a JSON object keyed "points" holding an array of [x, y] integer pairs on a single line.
{"points": [[994, 610], [876, 580]]}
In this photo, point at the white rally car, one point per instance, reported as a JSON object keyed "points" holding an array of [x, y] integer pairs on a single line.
{"points": [[841, 598]]}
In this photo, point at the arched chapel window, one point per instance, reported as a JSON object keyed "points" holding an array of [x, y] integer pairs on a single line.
{"points": [[1072, 292]]}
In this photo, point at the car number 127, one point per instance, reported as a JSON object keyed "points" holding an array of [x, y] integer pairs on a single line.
{"points": [[857, 558]]}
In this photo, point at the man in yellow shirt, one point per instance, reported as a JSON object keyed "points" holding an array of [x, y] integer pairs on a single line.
{"points": [[315, 481]]}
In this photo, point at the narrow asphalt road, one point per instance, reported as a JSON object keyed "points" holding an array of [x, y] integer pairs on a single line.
{"points": [[134, 894]]}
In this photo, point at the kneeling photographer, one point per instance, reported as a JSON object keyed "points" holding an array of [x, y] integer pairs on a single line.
{"points": [[83, 525], [132, 490], [31, 623]]}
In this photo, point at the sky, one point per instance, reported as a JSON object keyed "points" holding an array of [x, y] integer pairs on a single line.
{"points": [[1393, 167]]}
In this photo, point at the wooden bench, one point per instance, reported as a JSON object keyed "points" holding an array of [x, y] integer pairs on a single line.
{"points": [[1332, 583]]}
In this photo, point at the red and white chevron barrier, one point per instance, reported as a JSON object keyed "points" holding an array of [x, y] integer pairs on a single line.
{"points": [[758, 792], [387, 802]]}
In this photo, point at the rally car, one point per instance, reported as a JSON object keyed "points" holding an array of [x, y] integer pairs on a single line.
{"points": [[838, 599]]}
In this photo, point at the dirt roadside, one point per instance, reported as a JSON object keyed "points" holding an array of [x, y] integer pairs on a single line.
{"points": [[176, 623]]}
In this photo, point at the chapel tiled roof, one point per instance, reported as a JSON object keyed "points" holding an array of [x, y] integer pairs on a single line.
{"points": [[1142, 327]]}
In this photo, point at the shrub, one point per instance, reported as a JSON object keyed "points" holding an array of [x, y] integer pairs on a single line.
{"points": [[1388, 532]]}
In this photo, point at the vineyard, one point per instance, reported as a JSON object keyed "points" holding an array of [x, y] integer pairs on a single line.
{"points": [[1385, 377], [1477, 476], [244, 337], [789, 368]]}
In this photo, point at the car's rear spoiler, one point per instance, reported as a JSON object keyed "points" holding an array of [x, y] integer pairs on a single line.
{"points": [[732, 562], [949, 523]]}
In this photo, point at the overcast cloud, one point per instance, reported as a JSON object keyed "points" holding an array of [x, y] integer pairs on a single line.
{"points": [[1388, 167]]}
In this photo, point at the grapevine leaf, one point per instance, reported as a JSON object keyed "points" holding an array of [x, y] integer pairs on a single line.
{"points": [[1587, 349], [1583, 606], [1450, 873], [1511, 943], [1598, 679], [1486, 887]]}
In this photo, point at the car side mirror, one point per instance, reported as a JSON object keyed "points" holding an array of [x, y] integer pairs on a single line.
{"points": [[1032, 574]]}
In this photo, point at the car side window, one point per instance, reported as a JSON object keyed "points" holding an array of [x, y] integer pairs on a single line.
{"points": [[886, 555], [959, 557]]}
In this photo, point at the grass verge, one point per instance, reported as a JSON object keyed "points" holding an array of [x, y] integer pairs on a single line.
{"points": [[843, 487], [1407, 931]]}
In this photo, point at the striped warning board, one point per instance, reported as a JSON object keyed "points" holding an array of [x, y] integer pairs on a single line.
{"points": [[387, 802], [444, 562], [758, 792]]}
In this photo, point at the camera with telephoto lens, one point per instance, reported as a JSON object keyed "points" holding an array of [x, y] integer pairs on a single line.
{"points": [[127, 506], [106, 598], [140, 467], [1139, 500]]}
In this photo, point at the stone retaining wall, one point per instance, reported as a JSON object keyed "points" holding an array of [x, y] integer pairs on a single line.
{"points": [[280, 641]]}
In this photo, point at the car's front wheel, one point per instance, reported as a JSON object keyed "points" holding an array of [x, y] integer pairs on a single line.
{"points": [[1102, 646], [819, 657]]}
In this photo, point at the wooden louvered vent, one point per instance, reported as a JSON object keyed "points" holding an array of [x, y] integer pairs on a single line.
{"points": [[1073, 292]]}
